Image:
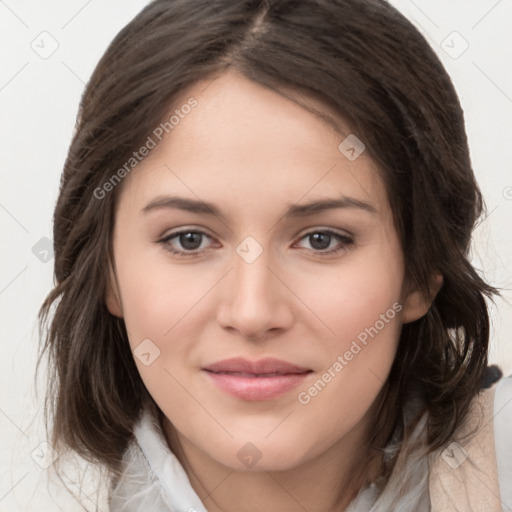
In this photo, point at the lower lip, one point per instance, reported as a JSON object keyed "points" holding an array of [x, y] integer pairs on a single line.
{"points": [[257, 388]]}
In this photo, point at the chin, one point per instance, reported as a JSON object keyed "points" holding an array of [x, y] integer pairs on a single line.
{"points": [[261, 455]]}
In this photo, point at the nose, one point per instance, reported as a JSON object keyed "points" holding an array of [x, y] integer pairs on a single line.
{"points": [[255, 303]]}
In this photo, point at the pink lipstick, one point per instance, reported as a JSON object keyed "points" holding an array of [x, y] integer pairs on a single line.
{"points": [[256, 380]]}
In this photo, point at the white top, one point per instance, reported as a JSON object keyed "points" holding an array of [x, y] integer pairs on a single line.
{"points": [[154, 480]]}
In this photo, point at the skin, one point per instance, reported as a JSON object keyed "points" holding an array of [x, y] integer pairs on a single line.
{"points": [[253, 152]]}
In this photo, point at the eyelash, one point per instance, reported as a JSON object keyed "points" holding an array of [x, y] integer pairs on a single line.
{"points": [[344, 239]]}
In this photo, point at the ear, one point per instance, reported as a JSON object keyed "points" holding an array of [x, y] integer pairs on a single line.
{"points": [[417, 304], [112, 296]]}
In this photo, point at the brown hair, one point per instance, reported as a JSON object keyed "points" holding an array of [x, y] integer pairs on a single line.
{"points": [[398, 99]]}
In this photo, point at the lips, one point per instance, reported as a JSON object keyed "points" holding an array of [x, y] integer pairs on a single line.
{"points": [[256, 380], [266, 366]]}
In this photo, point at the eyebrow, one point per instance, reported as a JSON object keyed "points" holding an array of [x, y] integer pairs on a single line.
{"points": [[294, 210]]}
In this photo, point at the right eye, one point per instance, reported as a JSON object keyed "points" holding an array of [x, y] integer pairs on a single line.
{"points": [[187, 242]]}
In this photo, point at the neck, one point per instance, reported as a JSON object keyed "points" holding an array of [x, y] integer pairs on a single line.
{"points": [[327, 483]]}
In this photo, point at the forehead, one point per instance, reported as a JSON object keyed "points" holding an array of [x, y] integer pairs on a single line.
{"points": [[233, 105], [246, 143]]}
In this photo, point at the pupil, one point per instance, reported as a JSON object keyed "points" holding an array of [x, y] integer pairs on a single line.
{"points": [[320, 240], [190, 240]]}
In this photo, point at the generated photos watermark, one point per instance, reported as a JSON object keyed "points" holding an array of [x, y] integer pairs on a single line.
{"points": [[151, 142], [357, 345]]}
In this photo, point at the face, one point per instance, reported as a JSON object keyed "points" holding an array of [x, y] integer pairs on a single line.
{"points": [[248, 234]]}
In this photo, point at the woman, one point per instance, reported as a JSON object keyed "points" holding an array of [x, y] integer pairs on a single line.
{"points": [[264, 299]]}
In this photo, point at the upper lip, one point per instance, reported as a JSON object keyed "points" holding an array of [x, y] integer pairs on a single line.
{"points": [[261, 367]]}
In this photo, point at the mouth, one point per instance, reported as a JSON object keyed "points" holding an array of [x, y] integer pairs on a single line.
{"points": [[255, 380]]}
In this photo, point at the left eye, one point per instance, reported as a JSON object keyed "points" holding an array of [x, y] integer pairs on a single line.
{"points": [[320, 241]]}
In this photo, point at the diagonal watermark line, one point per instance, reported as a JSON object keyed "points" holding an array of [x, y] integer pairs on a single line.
{"points": [[195, 304], [14, 76], [229, 229], [304, 195], [13, 13], [216, 487], [215, 76], [73, 72], [198, 403], [286, 491], [376, 376], [426, 32], [301, 300], [496, 414], [12, 488], [491, 491], [486, 14], [14, 423], [97, 509], [75, 15], [280, 423], [14, 218], [480, 222], [13, 279], [504, 405], [492, 81], [424, 13]]}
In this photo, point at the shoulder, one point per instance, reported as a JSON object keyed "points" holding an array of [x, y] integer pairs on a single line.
{"points": [[474, 471]]}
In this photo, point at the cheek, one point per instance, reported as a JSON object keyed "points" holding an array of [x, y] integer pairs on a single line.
{"points": [[160, 303], [361, 306], [164, 305], [352, 297], [158, 297], [364, 319]]}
